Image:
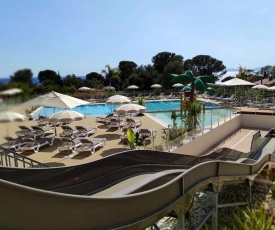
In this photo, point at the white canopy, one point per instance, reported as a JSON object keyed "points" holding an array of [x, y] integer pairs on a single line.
{"points": [[10, 92], [132, 87], [67, 116], [130, 108], [156, 86], [56, 100], [236, 81], [118, 99], [260, 87]]}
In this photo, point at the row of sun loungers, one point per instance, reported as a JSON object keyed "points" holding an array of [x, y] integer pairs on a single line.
{"points": [[81, 144]]}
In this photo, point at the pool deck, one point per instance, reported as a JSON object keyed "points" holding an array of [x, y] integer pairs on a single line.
{"points": [[241, 140]]}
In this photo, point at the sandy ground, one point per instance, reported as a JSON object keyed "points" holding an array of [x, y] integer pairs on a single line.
{"points": [[51, 156]]}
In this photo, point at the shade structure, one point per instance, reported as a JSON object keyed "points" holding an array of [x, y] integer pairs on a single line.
{"points": [[67, 116], [130, 108], [84, 88], [132, 87], [272, 88], [236, 82], [109, 87], [56, 100], [177, 85], [118, 99], [10, 92], [260, 87], [9, 116], [156, 86]]}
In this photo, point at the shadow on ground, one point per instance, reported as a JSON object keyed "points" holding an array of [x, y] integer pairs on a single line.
{"points": [[109, 136], [112, 151], [55, 164]]}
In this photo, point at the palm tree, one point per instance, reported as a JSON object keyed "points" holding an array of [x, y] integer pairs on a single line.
{"points": [[111, 74], [195, 82]]}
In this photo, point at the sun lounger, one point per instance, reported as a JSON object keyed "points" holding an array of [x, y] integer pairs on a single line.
{"points": [[131, 123], [41, 131], [24, 130], [13, 143], [90, 145], [68, 131], [69, 144], [105, 119], [116, 123], [85, 131], [35, 144], [149, 133]]}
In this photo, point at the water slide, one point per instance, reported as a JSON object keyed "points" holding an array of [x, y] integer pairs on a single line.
{"points": [[129, 190]]}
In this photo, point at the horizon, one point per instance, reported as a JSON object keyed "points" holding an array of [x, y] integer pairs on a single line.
{"points": [[79, 37]]}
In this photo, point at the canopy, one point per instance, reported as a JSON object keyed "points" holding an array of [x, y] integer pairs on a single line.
{"points": [[10, 92], [118, 99], [130, 108], [132, 87], [237, 81], [260, 87], [56, 100], [67, 116], [84, 88], [109, 87], [8, 116], [156, 86], [177, 85]]}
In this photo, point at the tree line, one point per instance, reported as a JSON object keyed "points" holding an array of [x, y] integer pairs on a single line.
{"points": [[129, 73]]}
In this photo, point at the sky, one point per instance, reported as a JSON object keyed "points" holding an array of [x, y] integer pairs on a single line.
{"points": [[83, 36]]}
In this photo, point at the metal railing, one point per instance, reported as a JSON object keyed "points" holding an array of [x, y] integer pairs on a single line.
{"points": [[9, 158]]}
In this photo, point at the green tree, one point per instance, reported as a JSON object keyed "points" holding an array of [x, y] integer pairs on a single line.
{"points": [[272, 72], [49, 77], [72, 80], [161, 60], [265, 72], [205, 65], [246, 74], [111, 75], [94, 75], [126, 68], [24, 76]]}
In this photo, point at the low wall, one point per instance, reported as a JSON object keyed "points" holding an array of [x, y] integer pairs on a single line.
{"points": [[209, 139], [218, 134]]}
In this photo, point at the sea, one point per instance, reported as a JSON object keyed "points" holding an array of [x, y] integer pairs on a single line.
{"points": [[35, 80]]}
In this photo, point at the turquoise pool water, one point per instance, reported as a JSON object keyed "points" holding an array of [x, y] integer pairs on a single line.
{"points": [[211, 116], [104, 109]]}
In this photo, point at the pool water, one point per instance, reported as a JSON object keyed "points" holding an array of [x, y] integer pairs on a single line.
{"points": [[209, 118], [104, 109]]}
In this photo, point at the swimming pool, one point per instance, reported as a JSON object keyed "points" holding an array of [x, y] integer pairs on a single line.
{"points": [[208, 119], [104, 109]]}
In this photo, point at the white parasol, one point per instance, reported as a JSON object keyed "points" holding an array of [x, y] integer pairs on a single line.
{"points": [[118, 99], [56, 100]]}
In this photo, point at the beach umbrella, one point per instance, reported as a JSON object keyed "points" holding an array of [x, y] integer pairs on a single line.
{"points": [[10, 92], [8, 116], [260, 87], [109, 87], [134, 87], [156, 86], [56, 100], [84, 88], [118, 99], [67, 116], [177, 85], [130, 108], [272, 88], [237, 82]]}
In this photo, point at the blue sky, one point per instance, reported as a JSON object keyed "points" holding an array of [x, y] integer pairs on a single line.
{"points": [[82, 36]]}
